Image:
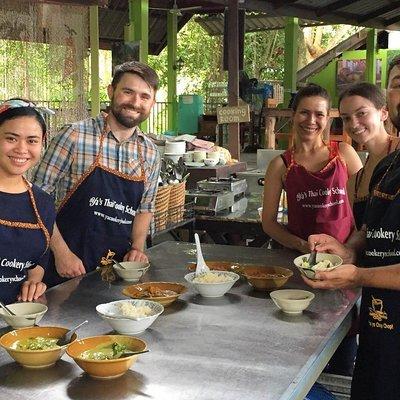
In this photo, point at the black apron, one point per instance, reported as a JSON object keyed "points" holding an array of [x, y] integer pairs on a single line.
{"points": [[21, 246], [377, 371], [97, 214]]}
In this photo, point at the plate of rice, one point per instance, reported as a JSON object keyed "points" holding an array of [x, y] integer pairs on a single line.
{"points": [[212, 283], [130, 317]]}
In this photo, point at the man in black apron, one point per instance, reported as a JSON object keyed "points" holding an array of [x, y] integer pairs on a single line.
{"points": [[377, 371], [105, 171]]}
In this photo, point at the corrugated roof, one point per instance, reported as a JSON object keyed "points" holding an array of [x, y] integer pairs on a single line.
{"points": [[214, 25]]}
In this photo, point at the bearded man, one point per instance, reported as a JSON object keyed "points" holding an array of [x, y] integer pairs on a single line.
{"points": [[103, 173]]}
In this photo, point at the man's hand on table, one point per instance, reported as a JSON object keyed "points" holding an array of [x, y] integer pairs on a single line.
{"points": [[135, 255], [346, 276], [69, 265]]}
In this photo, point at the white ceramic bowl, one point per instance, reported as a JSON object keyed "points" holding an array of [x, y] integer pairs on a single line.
{"points": [[213, 289], [214, 155], [112, 314], [133, 271], [310, 272], [173, 156], [210, 162], [292, 301], [188, 156], [28, 314], [176, 147]]}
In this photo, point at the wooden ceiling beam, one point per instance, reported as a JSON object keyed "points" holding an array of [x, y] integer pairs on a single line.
{"points": [[393, 21], [100, 3], [380, 11], [331, 7], [279, 4]]}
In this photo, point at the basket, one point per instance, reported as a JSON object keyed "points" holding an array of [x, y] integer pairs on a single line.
{"points": [[161, 207], [176, 205]]}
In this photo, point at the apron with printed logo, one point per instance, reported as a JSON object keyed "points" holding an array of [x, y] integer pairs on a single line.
{"points": [[21, 246], [377, 372], [317, 201], [97, 215]]}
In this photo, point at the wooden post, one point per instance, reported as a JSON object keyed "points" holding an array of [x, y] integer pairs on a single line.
{"points": [[233, 74], [270, 132]]}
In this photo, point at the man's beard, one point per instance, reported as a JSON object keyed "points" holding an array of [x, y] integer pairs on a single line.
{"points": [[396, 119], [126, 121]]}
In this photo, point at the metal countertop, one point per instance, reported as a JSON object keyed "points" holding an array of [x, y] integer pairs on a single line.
{"points": [[234, 347]]}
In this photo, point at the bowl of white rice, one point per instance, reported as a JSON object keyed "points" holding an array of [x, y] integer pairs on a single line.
{"points": [[213, 283], [130, 317]]}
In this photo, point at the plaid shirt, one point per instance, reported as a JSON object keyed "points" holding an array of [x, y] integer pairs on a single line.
{"points": [[73, 150]]}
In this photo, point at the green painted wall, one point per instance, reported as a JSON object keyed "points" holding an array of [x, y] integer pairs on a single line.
{"points": [[327, 76]]}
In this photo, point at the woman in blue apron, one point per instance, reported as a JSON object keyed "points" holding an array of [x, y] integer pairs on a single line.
{"points": [[102, 204], [363, 110], [27, 213], [377, 371]]}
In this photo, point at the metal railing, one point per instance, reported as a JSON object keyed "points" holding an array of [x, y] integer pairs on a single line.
{"points": [[64, 111]]}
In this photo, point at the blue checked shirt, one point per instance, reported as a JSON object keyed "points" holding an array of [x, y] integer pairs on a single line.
{"points": [[73, 150]]}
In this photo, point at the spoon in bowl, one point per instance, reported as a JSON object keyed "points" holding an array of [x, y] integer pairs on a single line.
{"points": [[129, 353], [66, 338], [12, 314], [312, 260], [6, 309], [118, 263], [201, 266]]}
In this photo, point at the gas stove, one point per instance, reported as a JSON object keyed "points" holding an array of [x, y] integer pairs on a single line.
{"points": [[208, 201], [236, 186]]}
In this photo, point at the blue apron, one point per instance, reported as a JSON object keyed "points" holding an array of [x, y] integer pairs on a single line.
{"points": [[97, 214], [21, 246], [377, 371]]}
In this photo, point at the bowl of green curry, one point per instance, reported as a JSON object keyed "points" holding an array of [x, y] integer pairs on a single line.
{"points": [[35, 347], [103, 357]]}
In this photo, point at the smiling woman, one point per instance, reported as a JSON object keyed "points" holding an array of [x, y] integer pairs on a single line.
{"points": [[363, 110], [27, 214], [314, 175]]}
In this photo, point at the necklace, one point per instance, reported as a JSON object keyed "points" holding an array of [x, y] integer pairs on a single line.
{"points": [[377, 192], [360, 174]]}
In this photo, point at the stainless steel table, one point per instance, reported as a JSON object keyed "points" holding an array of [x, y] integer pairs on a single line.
{"points": [[235, 347], [245, 221]]}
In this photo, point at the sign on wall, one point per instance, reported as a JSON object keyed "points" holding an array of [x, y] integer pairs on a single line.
{"points": [[231, 115]]}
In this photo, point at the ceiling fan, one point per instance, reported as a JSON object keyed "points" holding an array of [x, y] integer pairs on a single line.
{"points": [[177, 10]]}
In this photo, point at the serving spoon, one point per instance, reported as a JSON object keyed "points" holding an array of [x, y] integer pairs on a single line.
{"points": [[129, 353], [201, 266], [66, 338]]}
